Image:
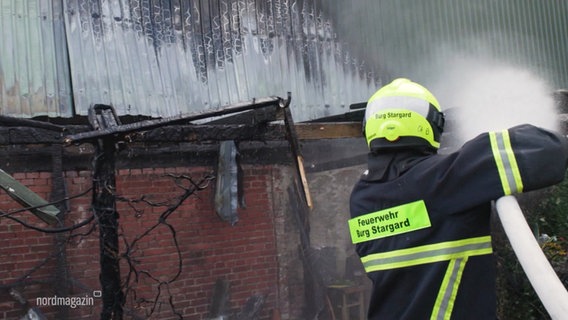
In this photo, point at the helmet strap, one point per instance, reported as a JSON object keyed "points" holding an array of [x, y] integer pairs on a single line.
{"points": [[436, 117]]}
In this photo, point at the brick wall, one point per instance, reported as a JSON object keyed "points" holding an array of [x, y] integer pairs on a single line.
{"points": [[247, 254]]}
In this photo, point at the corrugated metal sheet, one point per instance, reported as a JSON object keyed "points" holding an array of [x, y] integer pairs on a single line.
{"points": [[163, 58], [34, 77], [421, 38], [166, 57]]}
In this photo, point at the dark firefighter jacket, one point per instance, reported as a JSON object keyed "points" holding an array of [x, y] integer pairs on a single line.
{"points": [[421, 222]]}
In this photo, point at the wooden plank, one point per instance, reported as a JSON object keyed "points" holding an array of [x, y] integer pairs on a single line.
{"points": [[315, 131], [28, 199], [295, 148]]}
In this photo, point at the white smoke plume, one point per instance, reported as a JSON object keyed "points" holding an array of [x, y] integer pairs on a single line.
{"points": [[486, 95]]}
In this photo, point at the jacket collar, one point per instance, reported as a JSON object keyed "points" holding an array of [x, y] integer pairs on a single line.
{"points": [[384, 166]]}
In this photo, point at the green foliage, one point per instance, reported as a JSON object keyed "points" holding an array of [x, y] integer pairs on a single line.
{"points": [[553, 216], [548, 215]]}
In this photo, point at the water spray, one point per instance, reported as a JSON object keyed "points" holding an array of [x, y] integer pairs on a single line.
{"points": [[493, 97]]}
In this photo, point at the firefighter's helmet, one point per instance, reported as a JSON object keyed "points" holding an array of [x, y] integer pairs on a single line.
{"points": [[403, 114]]}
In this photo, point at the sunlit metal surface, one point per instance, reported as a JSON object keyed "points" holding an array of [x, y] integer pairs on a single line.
{"points": [[34, 77]]}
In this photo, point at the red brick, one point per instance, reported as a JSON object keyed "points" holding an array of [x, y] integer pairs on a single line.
{"points": [[45, 175], [18, 175], [210, 248]]}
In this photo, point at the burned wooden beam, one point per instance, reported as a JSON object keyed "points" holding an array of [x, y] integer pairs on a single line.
{"points": [[62, 283], [203, 133], [194, 133], [101, 118], [104, 206], [260, 132], [19, 122], [28, 135], [252, 117], [182, 119]]}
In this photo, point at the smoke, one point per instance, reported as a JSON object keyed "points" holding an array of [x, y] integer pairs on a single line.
{"points": [[481, 95]]}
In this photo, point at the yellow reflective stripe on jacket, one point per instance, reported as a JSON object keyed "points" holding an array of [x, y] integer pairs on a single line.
{"points": [[506, 162], [449, 290], [427, 254]]}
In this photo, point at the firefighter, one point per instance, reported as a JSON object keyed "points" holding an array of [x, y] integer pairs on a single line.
{"points": [[420, 221]]}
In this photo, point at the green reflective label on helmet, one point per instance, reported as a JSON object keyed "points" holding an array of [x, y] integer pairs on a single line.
{"points": [[389, 222], [392, 124]]}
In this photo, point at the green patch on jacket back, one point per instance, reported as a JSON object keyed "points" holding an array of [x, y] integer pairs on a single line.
{"points": [[389, 222]]}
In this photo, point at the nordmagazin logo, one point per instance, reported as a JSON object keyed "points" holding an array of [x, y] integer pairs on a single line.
{"points": [[71, 302]]}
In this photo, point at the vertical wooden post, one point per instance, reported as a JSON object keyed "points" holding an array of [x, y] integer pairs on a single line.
{"points": [[58, 192], [104, 206], [102, 117]]}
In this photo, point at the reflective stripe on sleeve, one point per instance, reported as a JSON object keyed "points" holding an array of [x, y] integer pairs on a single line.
{"points": [[506, 162], [427, 254]]}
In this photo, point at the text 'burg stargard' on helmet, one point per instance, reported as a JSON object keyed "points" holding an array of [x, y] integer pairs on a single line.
{"points": [[403, 114]]}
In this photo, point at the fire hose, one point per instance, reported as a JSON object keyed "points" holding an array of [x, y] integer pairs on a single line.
{"points": [[540, 273]]}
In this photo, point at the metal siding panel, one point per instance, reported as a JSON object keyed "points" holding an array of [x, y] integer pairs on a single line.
{"points": [[33, 76], [417, 38], [166, 57], [181, 56]]}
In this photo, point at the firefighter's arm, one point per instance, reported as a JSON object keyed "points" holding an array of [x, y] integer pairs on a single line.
{"points": [[529, 157], [499, 163]]}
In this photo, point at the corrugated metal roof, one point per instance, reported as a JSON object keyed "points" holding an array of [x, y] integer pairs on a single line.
{"points": [[170, 57], [420, 39], [166, 57], [34, 77]]}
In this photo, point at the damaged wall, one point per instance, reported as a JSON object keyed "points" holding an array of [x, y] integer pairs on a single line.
{"points": [[333, 168], [258, 256], [329, 229]]}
